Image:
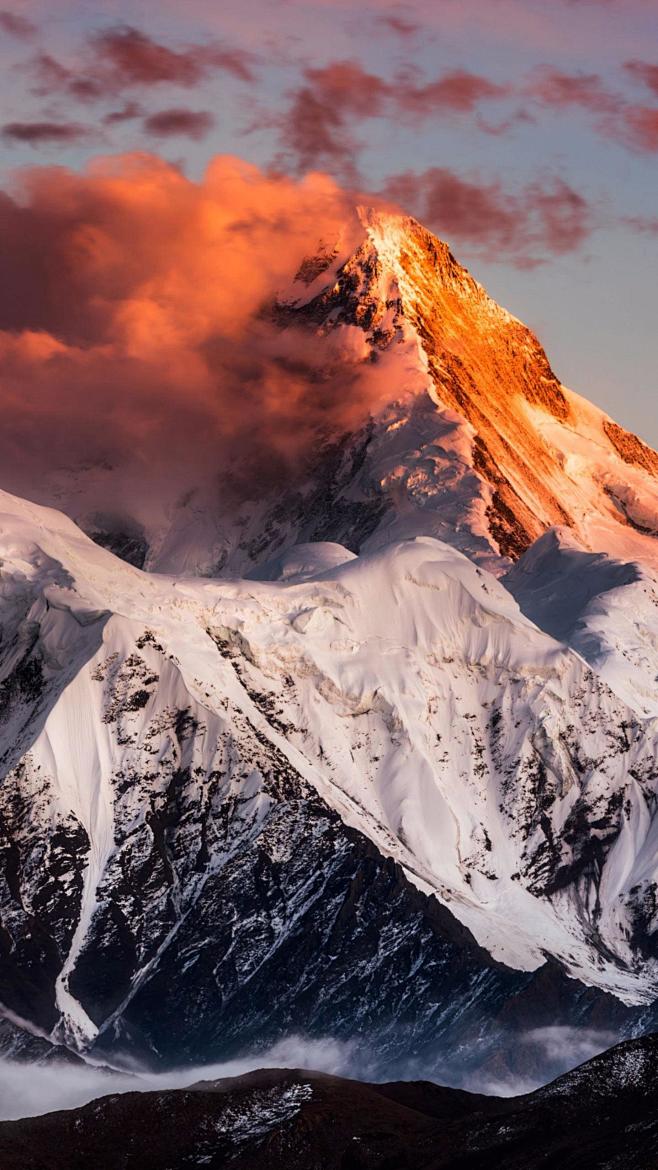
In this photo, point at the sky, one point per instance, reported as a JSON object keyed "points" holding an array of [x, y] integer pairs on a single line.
{"points": [[525, 133]]}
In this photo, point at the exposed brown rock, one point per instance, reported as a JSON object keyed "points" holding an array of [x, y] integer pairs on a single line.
{"points": [[631, 449]]}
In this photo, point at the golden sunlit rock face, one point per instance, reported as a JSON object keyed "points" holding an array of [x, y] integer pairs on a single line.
{"points": [[544, 456], [482, 361], [631, 449]]}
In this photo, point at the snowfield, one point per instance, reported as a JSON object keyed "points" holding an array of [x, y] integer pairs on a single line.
{"points": [[405, 686]]}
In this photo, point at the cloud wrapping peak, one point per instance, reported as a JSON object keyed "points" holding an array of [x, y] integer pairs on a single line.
{"points": [[134, 330]]}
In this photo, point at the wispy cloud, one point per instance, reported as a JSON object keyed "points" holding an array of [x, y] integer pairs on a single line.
{"points": [[179, 122], [321, 125], [17, 25], [646, 72], [27, 1090], [37, 133], [538, 220], [631, 124], [121, 58]]}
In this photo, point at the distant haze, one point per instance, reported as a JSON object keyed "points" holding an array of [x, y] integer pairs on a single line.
{"points": [[27, 1090]]}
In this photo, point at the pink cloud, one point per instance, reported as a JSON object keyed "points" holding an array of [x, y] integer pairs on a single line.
{"points": [[122, 58], [134, 58], [632, 125], [399, 24], [16, 25], [53, 133], [525, 227], [557, 89], [320, 126], [458, 90], [648, 224], [645, 72], [125, 113], [639, 128], [179, 121]]}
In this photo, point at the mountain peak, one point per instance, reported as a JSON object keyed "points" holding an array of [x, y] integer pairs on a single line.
{"points": [[501, 446], [451, 423]]}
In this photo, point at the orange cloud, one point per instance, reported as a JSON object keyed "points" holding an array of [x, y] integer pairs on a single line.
{"points": [[134, 324]]}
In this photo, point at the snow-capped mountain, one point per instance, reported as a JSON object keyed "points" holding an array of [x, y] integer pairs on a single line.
{"points": [[390, 783], [480, 445], [477, 444], [228, 808]]}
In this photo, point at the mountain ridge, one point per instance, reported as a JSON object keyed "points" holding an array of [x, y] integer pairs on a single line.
{"points": [[228, 735], [598, 1117]]}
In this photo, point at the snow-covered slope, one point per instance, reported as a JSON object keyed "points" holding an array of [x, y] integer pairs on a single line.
{"points": [[480, 752], [605, 609], [196, 772]]}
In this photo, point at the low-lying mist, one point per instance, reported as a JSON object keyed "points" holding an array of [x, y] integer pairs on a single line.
{"points": [[29, 1089]]}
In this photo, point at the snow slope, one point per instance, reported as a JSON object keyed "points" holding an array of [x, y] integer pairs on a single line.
{"points": [[481, 753], [403, 687], [605, 609]]}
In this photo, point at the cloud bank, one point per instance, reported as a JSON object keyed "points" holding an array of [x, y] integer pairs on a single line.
{"points": [[134, 324]]}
